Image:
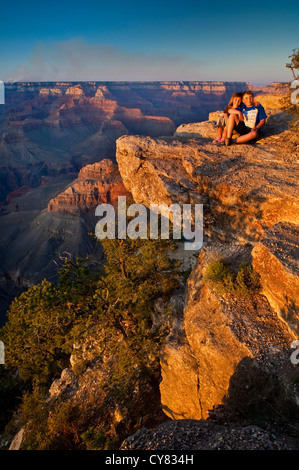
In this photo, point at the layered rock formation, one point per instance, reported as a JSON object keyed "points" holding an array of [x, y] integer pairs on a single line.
{"points": [[97, 183], [58, 127], [227, 350], [227, 358], [189, 435], [154, 104], [245, 189], [49, 131]]}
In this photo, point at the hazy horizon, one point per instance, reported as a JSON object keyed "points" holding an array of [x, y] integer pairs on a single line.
{"points": [[141, 81], [151, 41]]}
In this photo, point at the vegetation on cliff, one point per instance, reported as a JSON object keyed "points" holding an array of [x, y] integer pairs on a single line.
{"points": [[221, 276], [114, 305]]}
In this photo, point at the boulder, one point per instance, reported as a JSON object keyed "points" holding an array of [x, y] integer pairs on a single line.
{"points": [[197, 130], [245, 189], [66, 385], [228, 350], [276, 259]]}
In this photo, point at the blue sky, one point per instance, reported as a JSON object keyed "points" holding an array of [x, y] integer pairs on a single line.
{"points": [[141, 40]]}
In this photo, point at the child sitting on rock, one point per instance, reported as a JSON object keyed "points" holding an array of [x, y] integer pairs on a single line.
{"points": [[234, 103]]}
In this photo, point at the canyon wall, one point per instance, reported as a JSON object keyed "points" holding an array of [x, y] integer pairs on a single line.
{"points": [[228, 356], [96, 184], [54, 128], [226, 350], [49, 131]]}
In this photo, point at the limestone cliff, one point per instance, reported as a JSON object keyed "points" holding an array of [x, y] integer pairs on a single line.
{"points": [[96, 183], [227, 358], [228, 350], [245, 189], [275, 258]]}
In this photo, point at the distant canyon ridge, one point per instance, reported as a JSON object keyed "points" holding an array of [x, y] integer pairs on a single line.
{"points": [[54, 128], [50, 132]]}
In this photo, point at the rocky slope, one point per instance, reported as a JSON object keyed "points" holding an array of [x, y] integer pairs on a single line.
{"points": [[190, 435], [41, 225], [245, 188], [34, 241], [226, 364], [227, 350]]}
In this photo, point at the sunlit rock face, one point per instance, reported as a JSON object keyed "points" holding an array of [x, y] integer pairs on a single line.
{"points": [[96, 183], [228, 350], [245, 189], [276, 259]]}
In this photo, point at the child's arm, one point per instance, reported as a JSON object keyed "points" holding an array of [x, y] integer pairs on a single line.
{"points": [[236, 111], [260, 125]]}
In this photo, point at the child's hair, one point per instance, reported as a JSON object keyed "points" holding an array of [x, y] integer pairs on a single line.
{"points": [[235, 95], [247, 92]]}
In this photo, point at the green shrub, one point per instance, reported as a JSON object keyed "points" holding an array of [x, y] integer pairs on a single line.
{"points": [[220, 275], [247, 280], [99, 440], [118, 299]]}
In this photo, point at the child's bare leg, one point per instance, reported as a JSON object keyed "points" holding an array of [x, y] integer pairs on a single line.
{"points": [[231, 122], [245, 138]]}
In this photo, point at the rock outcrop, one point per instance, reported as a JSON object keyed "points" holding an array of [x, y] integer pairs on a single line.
{"points": [[245, 189], [228, 350], [276, 259], [96, 183]]}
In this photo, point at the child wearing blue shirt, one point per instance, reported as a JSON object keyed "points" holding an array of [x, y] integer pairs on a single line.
{"points": [[246, 121]]}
